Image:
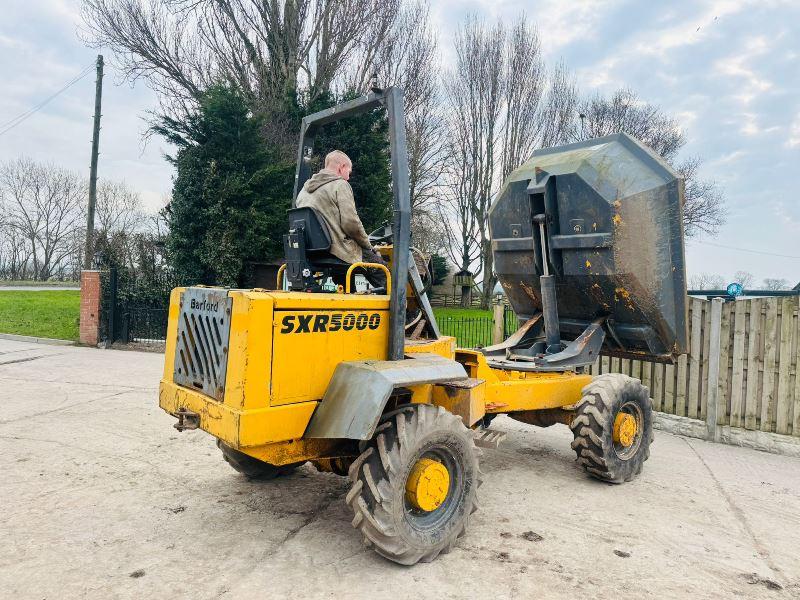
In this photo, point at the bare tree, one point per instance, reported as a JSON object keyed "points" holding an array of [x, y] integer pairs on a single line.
{"points": [[624, 111], [776, 284], [745, 278], [475, 93], [428, 234], [523, 86], [407, 57], [42, 221], [266, 49], [119, 219], [494, 94], [43, 209], [119, 208], [14, 258], [703, 203], [706, 281], [556, 119], [462, 227]]}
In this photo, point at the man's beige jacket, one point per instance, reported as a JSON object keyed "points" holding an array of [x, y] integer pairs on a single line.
{"points": [[332, 198]]}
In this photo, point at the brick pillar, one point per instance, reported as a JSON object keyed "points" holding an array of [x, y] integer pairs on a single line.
{"points": [[90, 308]]}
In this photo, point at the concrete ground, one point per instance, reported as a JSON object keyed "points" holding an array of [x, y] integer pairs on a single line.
{"points": [[102, 498]]}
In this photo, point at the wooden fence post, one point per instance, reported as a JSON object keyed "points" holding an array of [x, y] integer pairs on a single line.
{"points": [[713, 369], [499, 320]]}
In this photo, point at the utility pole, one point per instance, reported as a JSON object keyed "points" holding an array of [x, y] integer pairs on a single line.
{"points": [[98, 94]]}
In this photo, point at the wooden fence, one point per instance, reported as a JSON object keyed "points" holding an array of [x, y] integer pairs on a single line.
{"points": [[454, 300], [758, 380]]}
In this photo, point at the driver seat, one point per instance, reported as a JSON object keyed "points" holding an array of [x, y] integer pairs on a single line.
{"points": [[307, 249], [317, 236]]}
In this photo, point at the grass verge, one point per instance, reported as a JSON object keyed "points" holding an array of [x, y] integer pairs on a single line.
{"points": [[48, 314], [462, 313]]}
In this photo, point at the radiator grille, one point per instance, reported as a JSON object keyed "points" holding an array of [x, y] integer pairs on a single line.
{"points": [[201, 352]]}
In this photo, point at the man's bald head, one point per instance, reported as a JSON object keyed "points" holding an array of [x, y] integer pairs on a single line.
{"points": [[340, 163], [336, 159]]}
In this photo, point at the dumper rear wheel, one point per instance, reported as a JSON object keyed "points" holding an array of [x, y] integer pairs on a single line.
{"points": [[250, 467], [414, 486], [613, 427]]}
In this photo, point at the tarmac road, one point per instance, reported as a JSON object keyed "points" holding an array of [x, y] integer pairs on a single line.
{"points": [[102, 498]]}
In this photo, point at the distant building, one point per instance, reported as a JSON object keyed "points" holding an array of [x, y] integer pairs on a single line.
{"points": [[797, 288]]}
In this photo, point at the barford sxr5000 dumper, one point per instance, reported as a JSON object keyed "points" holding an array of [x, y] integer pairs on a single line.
{"points": [[588, 245]]}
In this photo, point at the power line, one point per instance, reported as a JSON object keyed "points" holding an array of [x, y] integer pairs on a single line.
{"points": [[9, 125], [20, 118], [748, 250]]}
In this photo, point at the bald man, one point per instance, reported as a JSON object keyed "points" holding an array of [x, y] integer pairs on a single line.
{"points": [[329, 194]]}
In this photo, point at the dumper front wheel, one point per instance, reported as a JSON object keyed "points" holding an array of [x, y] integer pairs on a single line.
{"points": [[250, 467], [613, 427], [414, 486]]}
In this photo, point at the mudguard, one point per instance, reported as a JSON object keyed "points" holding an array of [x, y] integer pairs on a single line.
{"points": [[359, 390]]}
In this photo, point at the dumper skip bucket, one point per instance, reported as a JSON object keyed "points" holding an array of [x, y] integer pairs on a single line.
{"points": [[615, 243]]}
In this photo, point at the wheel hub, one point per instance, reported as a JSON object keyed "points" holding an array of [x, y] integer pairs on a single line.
{"points": [[427, 485], [624, 429]]}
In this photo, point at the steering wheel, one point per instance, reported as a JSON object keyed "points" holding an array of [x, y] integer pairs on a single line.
{"points": [[382, 235]]}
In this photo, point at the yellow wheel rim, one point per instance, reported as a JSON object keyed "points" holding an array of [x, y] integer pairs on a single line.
{"points": [[625, 429], [427, 485]]}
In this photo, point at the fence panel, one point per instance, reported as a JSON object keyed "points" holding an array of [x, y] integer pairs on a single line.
{"points": [[759, 358], [695, 348], [510, 321], [636, 369], [770, 349], [681, 385], [646, 372], [755, 357], [796, 407], [735, 410], [454, 300], [725, 367], [469, 332], [146, 325], [785, 359]]}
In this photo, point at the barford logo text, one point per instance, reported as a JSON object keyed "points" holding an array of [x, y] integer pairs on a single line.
{"points": [[204, 305]]}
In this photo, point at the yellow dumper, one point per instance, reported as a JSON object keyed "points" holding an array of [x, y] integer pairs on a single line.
{"points": [[588, 246]]}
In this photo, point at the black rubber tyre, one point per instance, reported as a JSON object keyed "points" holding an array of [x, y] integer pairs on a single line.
{"points": [[388, 522], [593, 426], [250, 467]]}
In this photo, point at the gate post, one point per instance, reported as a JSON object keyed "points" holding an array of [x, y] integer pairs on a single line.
{"points": [[111, 312], [499, 322], [89, 328], [712, 399]]}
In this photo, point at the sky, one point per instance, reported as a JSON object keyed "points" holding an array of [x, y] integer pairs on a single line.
{"points": [[728, 70]]}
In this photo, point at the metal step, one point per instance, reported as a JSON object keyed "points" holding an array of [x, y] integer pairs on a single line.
{"points": [[488, 438]]}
